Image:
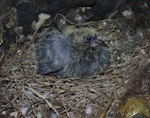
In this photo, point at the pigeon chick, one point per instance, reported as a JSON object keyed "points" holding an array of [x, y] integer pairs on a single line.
{"points": [[59, 54]]}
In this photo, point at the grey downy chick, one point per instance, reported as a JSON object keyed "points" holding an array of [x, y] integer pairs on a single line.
{"points": [[58, 54]]}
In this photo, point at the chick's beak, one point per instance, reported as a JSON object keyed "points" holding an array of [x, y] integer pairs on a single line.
{"points": [[97, 42]]}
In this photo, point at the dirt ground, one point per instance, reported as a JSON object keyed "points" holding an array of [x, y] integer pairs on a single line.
{"points": [[25, 94]]}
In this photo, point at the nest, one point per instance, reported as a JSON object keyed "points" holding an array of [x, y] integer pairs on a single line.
{"points": [[23, 93]]}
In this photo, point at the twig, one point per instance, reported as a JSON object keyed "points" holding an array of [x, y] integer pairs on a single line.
{"points": [[62, 102], [112, 14], [72, 23], [40, 96], [106, 109]]}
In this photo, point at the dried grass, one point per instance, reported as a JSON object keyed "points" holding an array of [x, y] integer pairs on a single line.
{"points": [[29, 95]]}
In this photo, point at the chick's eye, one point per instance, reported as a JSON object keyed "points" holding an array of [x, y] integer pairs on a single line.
{"points": [[89, 38]]}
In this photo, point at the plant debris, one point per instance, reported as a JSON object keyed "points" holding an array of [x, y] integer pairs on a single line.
{"points": [[25, 94]]}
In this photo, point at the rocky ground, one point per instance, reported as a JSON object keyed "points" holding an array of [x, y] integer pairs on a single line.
{"points": [[111, 94]]}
